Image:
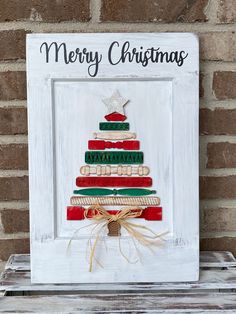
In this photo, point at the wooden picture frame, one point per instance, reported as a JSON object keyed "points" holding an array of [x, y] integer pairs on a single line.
{"points": [[68, 77]]}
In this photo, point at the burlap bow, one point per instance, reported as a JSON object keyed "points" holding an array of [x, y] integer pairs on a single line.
{"points": [[102, 218]]}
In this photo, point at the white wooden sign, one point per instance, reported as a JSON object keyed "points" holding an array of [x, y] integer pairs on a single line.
{"points": [[113, 157]]}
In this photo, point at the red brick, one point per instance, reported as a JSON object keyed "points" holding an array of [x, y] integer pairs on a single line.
{"points": [[12, 85], [224, 83], [14, 220], [13, 246], [218, 187], [218, 219], [12, 45], [14, 156], [221, 155], [13, 120], [226, 11], [218, 46], [219, 244], [45, 10], [14, 188], [168, 11], [218, 121]]}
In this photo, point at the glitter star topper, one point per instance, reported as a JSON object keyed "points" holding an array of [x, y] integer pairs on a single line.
{"points": [[115, 103]]}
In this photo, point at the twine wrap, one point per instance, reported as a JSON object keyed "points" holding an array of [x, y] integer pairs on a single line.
{"points": [[109, 200]]}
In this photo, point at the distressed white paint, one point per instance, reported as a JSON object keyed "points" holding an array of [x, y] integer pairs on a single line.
{"points": [[64, 109]]}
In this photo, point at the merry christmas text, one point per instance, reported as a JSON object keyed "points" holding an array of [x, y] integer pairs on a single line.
{"points": [[117, 53]]}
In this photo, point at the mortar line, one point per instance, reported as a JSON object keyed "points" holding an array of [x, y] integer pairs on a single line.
{"points": [[93, 25], [14, 139], [13, 236], [217, 138], [222, 172], [13, 103], [217, 234], [19, 204], [95, 7], [218, 203], [213, 104], [12, 66], [13, 173]]}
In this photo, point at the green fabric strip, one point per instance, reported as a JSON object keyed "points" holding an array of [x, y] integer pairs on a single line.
{"points": [[112, 157], [104, 191], [109, 126]]}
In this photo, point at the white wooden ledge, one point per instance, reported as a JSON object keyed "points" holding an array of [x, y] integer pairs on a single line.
{"points": [[213, 293]]}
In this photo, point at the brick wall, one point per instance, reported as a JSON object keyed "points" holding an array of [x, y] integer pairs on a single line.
{"points": [[214, 22]]}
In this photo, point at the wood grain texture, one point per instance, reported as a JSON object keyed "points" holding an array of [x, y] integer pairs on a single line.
{"points": [[126, 145], [119, 135], [134, 201], [114, 181], [108, 170], [205, 303]]}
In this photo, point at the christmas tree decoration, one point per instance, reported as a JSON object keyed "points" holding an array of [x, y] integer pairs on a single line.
{"points": [[130, 183], [120, 170]]}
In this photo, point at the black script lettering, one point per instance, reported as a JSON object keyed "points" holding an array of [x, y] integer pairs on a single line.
{"points": [[118, 53], [183, 55], [56, 51], [92, 58], [110, 50], [125, 52]]}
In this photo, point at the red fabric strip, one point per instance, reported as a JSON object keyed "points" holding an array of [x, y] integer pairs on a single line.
{"points": [[149, 213], [114, 181], [101, 145], [115, 117]]}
